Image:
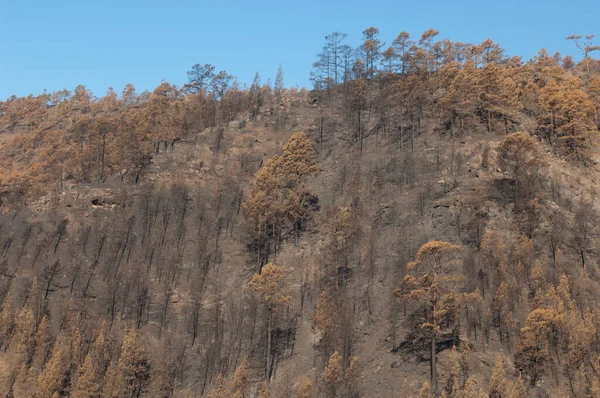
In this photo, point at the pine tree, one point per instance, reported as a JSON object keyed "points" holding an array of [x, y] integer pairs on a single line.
{"points": [[333, 375], [387, 60], [199, 78], [239, 382], [77, 348], [55, 376], [406, 389], [453, 385], [264, 391], [43, 344], [517, 389], [550, 100], [341, 229], [401, 44], [256, 96], [91, 372], [470, 391], [25, 333], [425, 391], [326, 320], [306, 389], [6, 321], [533, 351], [268, 287], [495, 92], [256, 85], [133, 365], [498, 380], [36, 300], [578, 334], [218, 389], [434, 284], [20, 352], [352, 377], [298, 160], [278, 88], [113, 385], [24, 383], [594, 93], [371, 50], [87, 387], [579, 130], [520, 156], [278, 201]]}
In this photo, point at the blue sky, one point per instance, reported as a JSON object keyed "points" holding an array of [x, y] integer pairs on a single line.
{"points": [[60, 44]]}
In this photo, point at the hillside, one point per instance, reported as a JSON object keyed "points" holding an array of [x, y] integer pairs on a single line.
{"points": [[279, 242]]}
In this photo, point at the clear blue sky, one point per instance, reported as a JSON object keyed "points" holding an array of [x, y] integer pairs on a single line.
{"points": [[60, 44]]}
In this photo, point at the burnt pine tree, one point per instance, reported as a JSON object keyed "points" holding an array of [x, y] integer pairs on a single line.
{"points": [[278, 88], [434, 283]]}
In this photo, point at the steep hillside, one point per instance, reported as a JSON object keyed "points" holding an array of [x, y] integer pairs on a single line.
{"points": [[291, 243]]}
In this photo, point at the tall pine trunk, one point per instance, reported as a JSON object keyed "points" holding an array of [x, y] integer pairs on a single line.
{"points": [[434, 383], [268, 367]]}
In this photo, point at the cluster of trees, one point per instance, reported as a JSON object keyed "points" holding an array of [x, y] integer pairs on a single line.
{"points": [[530, 307], [104, 314], [339, 62], [280, 202], [540, 308], [464, 82], [82, 359], [437, 285], [143, 299], [146, 313], [75, 136]]}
